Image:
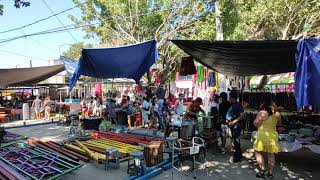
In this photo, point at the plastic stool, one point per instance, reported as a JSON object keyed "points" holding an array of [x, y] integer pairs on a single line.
{"points": [[112, 152], [136, 167]]}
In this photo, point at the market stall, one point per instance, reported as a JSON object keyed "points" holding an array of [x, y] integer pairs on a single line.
{"points": [[249, 58]]}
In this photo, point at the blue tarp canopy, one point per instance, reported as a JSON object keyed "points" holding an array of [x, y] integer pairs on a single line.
{"points": [[122, 62], [70, 66], [307, 77]]}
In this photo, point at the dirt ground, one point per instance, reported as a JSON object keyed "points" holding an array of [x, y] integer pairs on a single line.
{"points": [[300, 165]]}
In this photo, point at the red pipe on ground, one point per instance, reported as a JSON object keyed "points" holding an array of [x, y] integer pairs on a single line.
{"points": [[80, 156]]}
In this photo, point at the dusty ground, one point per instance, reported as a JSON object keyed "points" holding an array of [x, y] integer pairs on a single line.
{"points": [[301, 165]]}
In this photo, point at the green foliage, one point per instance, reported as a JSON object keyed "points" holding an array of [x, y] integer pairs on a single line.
{"points": [[17, 4], [74, 51], [121, 22], [276, 19], [1, 9]]}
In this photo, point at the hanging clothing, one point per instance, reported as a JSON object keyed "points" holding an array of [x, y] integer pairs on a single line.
{"points": [[212, 79], [200, 72], [187, 66]]}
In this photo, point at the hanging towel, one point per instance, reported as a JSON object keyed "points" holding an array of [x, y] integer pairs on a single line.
{"points": [[200, 74], [187, 66]]}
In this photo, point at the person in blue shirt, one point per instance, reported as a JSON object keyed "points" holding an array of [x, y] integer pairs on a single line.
{"points": [[234, 117], [159, 112]]}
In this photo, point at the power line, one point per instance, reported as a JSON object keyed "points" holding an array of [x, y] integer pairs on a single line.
{"points": [[56, 30], [59, 20], [39, 43], [43, 19], [22, 55], [62, 29]]}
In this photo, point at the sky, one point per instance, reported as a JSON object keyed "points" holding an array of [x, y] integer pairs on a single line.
{"points": [[42, 48]]}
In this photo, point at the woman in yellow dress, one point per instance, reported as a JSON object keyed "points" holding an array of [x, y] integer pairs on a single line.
{"points": [[267, 138]]}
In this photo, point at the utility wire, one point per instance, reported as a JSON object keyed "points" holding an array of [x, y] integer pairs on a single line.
{"points": [[74, 26], [40, 20], [59, 20], [39, 43], [45, 32], [22, 55]]}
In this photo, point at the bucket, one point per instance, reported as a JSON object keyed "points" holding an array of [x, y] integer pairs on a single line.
{"points": [[25, 111], [188, 130]]}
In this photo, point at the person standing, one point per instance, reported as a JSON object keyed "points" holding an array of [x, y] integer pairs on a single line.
{"points": [[152, 117], [111, 110], [129, 111], [145, 110], [214, 107], [234, 117], [36, 105], [95, 106], [193, 110], [179, 108], [158, 109], [224, 106], [267, 138], [100, 106], [47, 107]]}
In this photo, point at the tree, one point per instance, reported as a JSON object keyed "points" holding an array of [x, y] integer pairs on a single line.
{"points": [[17, 4], [122, 22], [74, 51], [277, 19]]}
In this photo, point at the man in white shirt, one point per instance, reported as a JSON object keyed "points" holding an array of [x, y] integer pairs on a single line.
{"points": [[95, 106], [179, 108]]}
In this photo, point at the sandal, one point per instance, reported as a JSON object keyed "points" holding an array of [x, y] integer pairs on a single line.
{"points": [[270, 175], [261, 174]]}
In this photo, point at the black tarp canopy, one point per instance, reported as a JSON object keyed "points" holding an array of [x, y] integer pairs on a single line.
{"points": [[27, 76], [243, 58]]}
